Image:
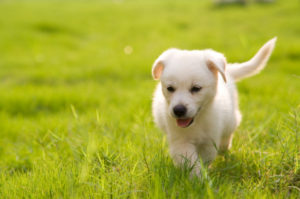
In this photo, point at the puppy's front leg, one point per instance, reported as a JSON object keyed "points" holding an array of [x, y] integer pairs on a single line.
{"points": [[185, 154], [208, 153]]}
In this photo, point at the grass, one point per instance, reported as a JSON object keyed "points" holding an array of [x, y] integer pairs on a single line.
{"points": [[75, 109]]}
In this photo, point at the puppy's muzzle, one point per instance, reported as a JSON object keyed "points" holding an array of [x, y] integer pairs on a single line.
{"points": [[179, 110]]}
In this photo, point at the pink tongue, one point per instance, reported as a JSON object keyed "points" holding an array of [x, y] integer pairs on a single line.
{"points": [[183, 122]]}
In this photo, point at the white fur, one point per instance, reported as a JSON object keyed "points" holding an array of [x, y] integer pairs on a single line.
{"points": [[214, 108]]}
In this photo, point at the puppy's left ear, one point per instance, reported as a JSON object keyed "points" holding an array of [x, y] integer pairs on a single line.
{"points": [[216, 62]]}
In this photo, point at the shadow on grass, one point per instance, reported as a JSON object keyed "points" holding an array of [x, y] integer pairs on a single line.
{"points": [[240, 4], [51, 28], [18, 167], [221, 5]]}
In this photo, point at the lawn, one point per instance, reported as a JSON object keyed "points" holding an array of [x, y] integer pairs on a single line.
{"points": [[76, 89]]}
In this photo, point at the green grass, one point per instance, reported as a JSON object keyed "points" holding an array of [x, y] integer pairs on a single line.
{"points": [[75, 110]]}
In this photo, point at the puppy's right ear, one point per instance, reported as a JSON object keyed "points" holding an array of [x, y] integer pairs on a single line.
{"points": [[157, 69], [160, 63]]}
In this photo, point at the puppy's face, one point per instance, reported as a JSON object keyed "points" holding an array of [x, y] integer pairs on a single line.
{"points": [[189, 81]]}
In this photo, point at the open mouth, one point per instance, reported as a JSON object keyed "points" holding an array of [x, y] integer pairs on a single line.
{"points": [[183, 123]]}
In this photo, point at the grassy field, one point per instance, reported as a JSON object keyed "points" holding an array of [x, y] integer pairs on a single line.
{"points": [[76, 89]]}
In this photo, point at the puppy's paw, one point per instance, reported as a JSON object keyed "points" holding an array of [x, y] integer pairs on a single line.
{"points": [[196, 174]]}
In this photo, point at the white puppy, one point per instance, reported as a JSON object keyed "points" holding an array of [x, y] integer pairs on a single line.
{"points": [[196, 101]]}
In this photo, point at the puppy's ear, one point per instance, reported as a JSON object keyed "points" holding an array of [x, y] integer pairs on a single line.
{"points": [[157, 69], [216, 62], [160, 63]]}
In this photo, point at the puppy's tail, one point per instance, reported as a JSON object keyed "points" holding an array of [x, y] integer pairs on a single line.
{"points": [[240, 71]]}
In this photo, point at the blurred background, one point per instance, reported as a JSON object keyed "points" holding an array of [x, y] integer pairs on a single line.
{"points": [[75, 84]]}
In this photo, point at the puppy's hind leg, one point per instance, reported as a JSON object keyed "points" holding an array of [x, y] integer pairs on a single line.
{"points": [[226, 140]]}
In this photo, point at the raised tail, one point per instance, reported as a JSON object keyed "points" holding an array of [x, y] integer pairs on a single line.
{"points": [[239, 71]]}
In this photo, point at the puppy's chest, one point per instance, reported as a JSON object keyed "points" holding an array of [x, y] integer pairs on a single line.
{"points": [[194, 135]]}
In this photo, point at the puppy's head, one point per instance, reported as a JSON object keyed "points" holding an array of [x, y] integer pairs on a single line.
{"points": [[189, 81]]}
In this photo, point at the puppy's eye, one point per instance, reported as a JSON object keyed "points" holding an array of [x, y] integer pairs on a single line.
{"points": [[195, 89], [170, 89]]}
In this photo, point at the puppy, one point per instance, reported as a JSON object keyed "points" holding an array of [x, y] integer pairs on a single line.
{"points": [[196, 101]]}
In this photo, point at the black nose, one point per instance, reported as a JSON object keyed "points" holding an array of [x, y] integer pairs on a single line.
{"points": [[179, 110]]}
